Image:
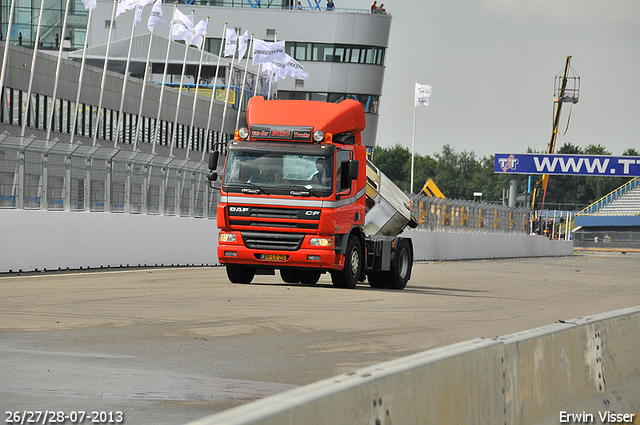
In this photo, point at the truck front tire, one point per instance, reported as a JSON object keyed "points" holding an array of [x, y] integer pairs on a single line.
{"points": [[349, 276], [240, 274]]}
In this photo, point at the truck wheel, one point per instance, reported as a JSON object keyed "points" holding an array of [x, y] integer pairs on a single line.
{"points": [[289, 276], [240, 274], [401, 271], [348, 277], [308, 277]]}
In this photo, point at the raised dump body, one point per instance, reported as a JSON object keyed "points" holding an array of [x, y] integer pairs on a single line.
{"points": [[388, 209]]}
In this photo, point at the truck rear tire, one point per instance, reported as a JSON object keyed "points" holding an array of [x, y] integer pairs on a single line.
{"points": [[398, 276], [348, 277], [401, 270], [240, 274]]}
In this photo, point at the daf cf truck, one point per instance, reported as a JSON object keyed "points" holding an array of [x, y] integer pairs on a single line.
{"points": [[298, 195]]}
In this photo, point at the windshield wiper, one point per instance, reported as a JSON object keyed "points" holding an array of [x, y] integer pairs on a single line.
{"points": [[304, 191], [257, 190]]}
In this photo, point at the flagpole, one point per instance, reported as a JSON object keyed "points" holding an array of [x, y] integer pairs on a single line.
{"points": [[271, 73], [244, 81], [55, 83], [175, 120], [164, 79], [195, 96], [413, 144], [74, 123], [124, 84], [33, 66], [226, 98], [213, 93], [5, 55], [104, 72], [144, 86]]}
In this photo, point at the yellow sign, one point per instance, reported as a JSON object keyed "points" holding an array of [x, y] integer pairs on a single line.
{"points": [[430, 189]]}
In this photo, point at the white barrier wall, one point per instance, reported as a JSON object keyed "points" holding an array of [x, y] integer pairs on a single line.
{"points": [[39, 240], [588, 366], [466, 246]]}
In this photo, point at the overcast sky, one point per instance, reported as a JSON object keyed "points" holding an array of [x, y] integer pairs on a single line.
{"points": [[492, 65]]}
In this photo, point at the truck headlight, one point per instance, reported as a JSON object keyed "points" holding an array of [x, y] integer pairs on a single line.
{"points": [[226, 237], [321, 242]]}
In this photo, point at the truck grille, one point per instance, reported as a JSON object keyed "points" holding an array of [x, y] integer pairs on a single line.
{"points": [[292, 218], [275, 241]]}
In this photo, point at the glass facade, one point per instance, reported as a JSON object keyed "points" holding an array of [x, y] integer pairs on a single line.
{"points": [[25, 23]]}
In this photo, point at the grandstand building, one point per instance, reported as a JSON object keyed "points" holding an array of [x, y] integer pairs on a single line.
{"points": [[612, 222]]}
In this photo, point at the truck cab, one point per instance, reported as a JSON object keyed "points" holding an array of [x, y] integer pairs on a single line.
{"points": [[294, 196]]}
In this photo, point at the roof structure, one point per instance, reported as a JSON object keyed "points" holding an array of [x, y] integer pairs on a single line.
{"points": [[139, 50]]}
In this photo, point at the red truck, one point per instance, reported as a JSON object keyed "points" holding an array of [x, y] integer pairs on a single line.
{"points": [[299, 196]]}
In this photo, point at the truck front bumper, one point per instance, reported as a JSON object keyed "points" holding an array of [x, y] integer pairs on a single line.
{"points": [[307, 256]]}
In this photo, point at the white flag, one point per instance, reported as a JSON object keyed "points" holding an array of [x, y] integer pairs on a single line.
{"points": [[296, 70], [242, 45], [265, 52], [231, 43], [124, 5], [156, 17], [140, 4], [90, 4], [279, 68], [199, 33], [422, 95], [182, 27]]}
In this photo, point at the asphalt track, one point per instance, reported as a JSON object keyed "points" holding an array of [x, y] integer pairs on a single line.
{"points": [[166, 346]]}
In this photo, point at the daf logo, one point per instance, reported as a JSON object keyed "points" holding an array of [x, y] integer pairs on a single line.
{"points": [[312, 213], [239, 209]]}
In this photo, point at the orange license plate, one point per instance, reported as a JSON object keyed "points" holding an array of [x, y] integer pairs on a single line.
{"points": [[274, 257]]}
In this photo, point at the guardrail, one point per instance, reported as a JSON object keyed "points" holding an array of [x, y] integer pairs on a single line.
{"points": [[452, 215], [587, 367]]}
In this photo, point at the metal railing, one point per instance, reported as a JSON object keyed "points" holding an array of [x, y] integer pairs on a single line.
{"points": [[451, 215], [56, 176]]}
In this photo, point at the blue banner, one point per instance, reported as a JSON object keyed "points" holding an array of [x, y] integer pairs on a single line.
{"points": [[571, 165]]}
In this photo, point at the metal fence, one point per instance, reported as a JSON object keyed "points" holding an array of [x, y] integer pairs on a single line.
{"points": [[607, 239], [56, 176], [451, 215]]}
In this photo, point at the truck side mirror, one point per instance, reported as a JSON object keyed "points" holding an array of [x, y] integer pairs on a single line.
{"points": [[213, 160], [353, 166]]}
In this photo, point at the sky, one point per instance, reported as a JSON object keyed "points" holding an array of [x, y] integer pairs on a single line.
{"points": [[492, 65]]}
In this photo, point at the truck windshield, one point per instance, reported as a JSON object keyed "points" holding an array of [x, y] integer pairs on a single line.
{"points": [[279, 170]]}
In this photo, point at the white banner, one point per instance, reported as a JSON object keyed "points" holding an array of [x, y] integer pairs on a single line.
{"points": [[90, 4], [140, 4], [182, 27], [242, 45], [124, 5], [279, 68], [265, 52], [422, 95], [156, 17], [296, 70], [231, 42], [199, 33]]}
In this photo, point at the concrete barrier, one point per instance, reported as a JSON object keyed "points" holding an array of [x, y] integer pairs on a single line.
{"points": [[50, 240], [587, 366], [466, 246]]}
